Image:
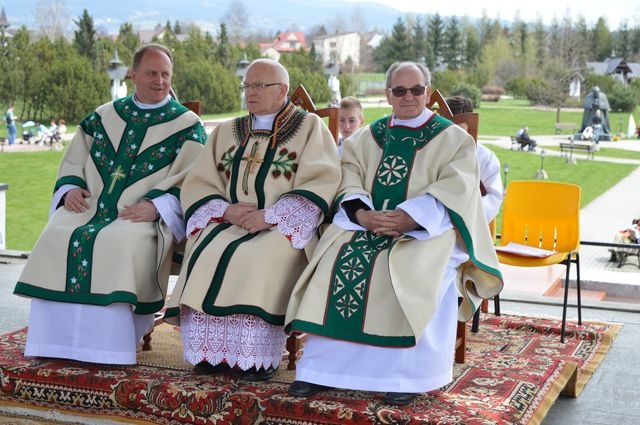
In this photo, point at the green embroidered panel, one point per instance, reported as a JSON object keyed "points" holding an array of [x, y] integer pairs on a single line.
{"points": [[119, 170], [399, 145], [351, 276]]}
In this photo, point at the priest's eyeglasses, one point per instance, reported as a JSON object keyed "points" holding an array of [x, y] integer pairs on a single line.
{"points": [[257, 86], [402, 91]]}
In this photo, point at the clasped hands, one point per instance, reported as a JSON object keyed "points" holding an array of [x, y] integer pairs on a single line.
{"points": [[143, 211], [247, 216], [386, 223]]}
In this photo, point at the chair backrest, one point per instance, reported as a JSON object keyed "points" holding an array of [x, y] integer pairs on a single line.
{"points": [[301, 98], [194, 106], [470, 119], [542, 214]]}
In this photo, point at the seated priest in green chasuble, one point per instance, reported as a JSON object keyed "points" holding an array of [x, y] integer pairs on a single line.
{"points": [[100, 269], [379, 298], [253, 203]]}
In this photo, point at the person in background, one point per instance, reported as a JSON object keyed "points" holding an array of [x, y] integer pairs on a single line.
{"points": [[379, 299], [490, 180], [523, 138], [253, 203], [62, 127], [351, 119], [100, 268], [10, 119]]}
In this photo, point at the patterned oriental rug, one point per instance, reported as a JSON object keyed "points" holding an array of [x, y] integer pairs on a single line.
{"points": [[516, 368]]}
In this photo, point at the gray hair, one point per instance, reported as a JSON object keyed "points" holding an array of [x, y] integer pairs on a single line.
{"points": [[397, 65], [281, 71]]}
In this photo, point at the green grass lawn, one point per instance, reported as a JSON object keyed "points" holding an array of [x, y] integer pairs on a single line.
{"points": [[31, 176], [594, 177]]}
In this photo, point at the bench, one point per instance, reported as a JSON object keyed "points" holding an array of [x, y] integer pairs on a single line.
{"points": [[561, 126], [567, 149], [515, 146]]}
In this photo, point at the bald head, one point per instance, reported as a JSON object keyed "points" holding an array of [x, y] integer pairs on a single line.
{"points": [[266, 86]]}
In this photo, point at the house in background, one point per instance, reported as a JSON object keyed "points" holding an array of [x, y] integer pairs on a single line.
{"points": [[617, 68], [285, 42], [343, 49]]}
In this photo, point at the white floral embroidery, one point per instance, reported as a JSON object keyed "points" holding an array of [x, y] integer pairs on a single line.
{"points": [[203, 215], [238, 340], [296, 216]]}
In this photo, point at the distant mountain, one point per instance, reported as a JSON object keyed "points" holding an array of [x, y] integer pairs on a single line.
{"points": [[263, 15]]}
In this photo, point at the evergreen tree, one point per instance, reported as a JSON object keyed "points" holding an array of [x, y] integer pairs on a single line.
{"points": [[128, 42], [602, 43], [393, 48], [223, 52], [420, 48], [435, 37], [85, 36], [623, 41], [453, 46]]}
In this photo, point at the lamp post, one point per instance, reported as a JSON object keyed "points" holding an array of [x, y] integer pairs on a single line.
{"points": [[241, 70], [541, 173], [505, 171], [117, 73]]}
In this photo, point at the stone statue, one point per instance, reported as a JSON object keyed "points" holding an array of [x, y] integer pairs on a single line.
{"points": [[596, 113]]}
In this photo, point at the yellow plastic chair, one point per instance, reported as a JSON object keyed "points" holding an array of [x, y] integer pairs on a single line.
{"points": [[544, 214]]}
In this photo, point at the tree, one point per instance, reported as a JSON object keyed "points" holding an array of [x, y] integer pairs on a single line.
{"points": [[452, 52], [223, 52], [393, 48], [84, 37], [623, 41], [237, 18], [127, 39], [602, 44], [420, 48], [52, 18], [435, 38]]}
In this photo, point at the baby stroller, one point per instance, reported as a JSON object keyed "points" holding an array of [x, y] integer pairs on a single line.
{"points": [[27, 134]]}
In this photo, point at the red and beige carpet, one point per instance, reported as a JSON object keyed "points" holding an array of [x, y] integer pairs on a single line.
{"points": [[516, 368]]}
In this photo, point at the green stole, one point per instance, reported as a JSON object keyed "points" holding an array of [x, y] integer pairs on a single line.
{"points": [[120, 165], [354, 265]]}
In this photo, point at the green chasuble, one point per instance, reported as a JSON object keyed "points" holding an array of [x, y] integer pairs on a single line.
{"points": [[121, 154], [382, 291], [227, 270]]}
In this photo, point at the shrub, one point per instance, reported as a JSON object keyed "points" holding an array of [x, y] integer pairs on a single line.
{"points": [[492, 90], [470, 91], [622, 99], [517, 86]]}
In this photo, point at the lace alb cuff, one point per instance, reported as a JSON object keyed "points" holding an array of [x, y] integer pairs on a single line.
{"points": [[211, 211], [296, 218]]}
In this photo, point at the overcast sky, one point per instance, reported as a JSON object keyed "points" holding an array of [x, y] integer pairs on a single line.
{"points": [[614, 11]]}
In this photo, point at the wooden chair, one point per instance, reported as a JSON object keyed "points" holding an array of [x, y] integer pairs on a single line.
{"points": [[301, 98]]}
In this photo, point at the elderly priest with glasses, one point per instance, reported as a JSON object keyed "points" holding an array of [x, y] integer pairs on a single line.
{"points": [[379, 299], [252, 203]]}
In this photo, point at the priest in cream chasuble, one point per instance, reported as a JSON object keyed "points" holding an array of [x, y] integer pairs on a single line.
{"points": [[279, 165], [380, 307], [127, 156]]}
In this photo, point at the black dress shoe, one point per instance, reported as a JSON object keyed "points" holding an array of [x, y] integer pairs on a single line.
{"points": [[399, 399], [253, 374], [206, 368], [305, 389]]}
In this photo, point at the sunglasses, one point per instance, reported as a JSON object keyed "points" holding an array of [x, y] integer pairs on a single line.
{"points": [[402, 91]]}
